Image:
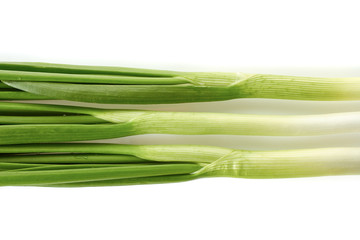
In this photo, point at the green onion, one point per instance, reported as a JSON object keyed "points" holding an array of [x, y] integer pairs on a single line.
{"points": [[142, 86], [42, 123], [170, 163]]}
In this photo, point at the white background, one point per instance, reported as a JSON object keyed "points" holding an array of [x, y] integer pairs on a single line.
{"points": [[308, 37]]}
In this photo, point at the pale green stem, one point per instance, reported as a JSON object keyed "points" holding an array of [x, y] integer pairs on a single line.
{"points": [[187, 123], [299, 88], [286, 163]]}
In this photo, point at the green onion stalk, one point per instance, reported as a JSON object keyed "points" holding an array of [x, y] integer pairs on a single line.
{"points": [[95, 164], [117, 85], [22, 123]]}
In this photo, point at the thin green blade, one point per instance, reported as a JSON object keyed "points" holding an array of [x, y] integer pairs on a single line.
{"points": [[47, 133], [95, 174], [127, 94], [83, 69]]}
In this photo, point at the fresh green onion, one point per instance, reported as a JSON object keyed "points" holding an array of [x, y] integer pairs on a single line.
{"points": [[142, 86], [171, 163], [42, 123]]}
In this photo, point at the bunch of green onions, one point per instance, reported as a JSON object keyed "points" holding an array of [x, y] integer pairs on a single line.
{"points": [[57, 163]]}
